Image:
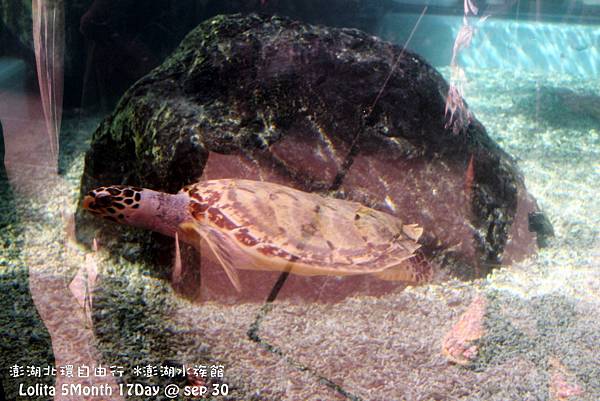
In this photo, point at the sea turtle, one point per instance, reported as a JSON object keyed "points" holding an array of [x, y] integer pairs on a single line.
{"points": [[258, 225]]}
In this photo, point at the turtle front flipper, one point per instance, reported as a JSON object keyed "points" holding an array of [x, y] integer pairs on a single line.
{"points": [[224, 248]]}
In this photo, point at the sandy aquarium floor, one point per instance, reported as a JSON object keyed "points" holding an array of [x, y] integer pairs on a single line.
{"points": [[541, 339]]}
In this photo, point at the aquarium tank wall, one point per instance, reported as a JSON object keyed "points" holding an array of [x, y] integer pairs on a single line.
{"points": [[299, 200]]}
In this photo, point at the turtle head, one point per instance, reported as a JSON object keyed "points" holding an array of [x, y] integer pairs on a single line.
{"points": [[117, 203], [138, 207]]}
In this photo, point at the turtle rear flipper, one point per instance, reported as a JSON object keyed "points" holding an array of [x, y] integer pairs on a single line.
{"points": [[225, 249], [401, 272], [413, 231], [414, 270]]}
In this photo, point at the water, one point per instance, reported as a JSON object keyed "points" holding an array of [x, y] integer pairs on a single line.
{"points": [[529, 75]]}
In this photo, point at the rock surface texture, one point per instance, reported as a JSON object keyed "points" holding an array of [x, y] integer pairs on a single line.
{"points": [[320, 109]]}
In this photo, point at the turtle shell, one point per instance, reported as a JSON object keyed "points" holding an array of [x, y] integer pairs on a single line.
{"points": [[275, 227]]}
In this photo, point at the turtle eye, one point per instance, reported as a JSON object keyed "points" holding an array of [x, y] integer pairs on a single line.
{"points": [[103, 200]]}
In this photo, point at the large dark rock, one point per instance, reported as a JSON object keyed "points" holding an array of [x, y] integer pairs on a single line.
{"points": [[272, 99]]}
